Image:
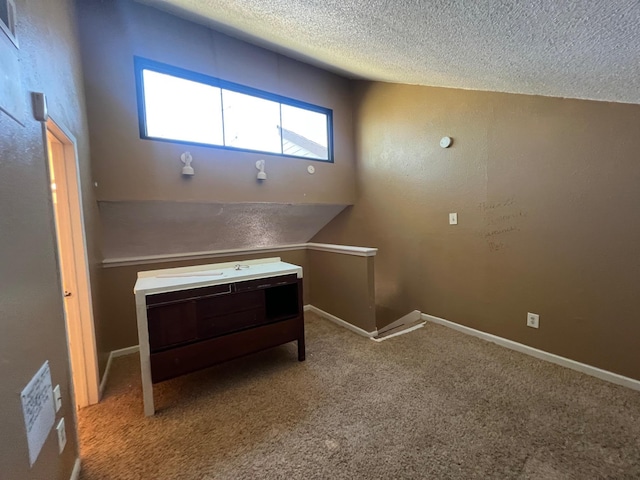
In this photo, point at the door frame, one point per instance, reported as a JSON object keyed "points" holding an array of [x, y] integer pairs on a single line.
{"points": [[81, 341]]}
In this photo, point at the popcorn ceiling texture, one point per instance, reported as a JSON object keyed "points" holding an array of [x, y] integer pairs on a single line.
{"points": [[588, 49]]}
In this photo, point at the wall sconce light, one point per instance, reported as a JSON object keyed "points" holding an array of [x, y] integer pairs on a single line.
{"points": [[187, 159], [260, 166]]}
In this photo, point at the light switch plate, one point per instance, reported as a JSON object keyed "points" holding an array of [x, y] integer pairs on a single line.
{"points": [[57, 397], [453, 219]]}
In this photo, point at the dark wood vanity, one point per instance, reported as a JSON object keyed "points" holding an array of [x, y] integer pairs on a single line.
{"points": [[190, 325]]}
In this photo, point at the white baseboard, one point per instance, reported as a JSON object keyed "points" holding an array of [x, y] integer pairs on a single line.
{"points": [[541, 354], [402, 332], [114, 354], [125, 351], [410, 317], [339, 321], [75, 473]]}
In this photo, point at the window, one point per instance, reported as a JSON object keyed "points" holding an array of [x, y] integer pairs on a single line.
{"points": [[176, 105], [8, 19]]}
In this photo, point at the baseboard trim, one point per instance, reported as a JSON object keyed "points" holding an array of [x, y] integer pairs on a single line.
{"points": [[114, 354], [541, 354], [75, 473], [402, 332], [339, 321], [125, 351], [410, 317]]}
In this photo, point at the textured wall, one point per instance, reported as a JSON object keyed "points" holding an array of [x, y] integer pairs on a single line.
{"points": [[32, 322], [547, 195], [131, 170], [342, 285], [128, 168], [155, 228]]}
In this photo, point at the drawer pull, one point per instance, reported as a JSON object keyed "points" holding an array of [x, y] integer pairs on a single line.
{"points": [[228, 291], [189, 299]]}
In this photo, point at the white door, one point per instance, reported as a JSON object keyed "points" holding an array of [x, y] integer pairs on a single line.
{"points": [[65, 192]]}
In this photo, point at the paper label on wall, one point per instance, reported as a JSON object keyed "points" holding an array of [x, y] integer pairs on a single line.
{"points": [[38, 410]]}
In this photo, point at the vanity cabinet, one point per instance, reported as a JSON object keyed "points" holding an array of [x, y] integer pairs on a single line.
{"points": [[192, 325]]}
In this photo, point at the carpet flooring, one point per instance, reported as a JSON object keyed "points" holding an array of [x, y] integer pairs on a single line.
{"points": [[431, 404]]}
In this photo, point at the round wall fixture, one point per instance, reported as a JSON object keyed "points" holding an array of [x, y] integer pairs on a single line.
{"points": [[445, 142], [311, 169]]}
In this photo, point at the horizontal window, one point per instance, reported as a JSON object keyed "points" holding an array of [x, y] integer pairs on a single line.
{"points": [[177, 105]]}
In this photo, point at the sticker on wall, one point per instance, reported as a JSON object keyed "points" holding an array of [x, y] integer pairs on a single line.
{"points": [[38, 410]]}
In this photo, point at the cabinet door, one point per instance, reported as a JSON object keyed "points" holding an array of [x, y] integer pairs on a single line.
{"points": [[171, 324]]}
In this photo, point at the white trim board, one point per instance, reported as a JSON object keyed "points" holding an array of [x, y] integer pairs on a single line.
{"points": [[339, 321], [72, 252], [346, 249], [541, 354], [410, 317], [144, 260], [401, 332], [173, 257], [114, 354], [75, 473]]}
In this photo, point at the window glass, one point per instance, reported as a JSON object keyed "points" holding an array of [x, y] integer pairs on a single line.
{"points": [[4, 12], [183, 106], [179, 109], [304, 133], [251, 122]]}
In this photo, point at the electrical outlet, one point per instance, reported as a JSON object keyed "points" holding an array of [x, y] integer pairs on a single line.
{"points": [[453, 219], [57, 396], [533, 320], [62, 435]]}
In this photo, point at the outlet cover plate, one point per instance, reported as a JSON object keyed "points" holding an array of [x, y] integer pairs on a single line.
{"points": [[533, 320], [62, 435]]}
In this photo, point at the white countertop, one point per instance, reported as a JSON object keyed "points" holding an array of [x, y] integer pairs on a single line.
{"points": [[183, 278]]}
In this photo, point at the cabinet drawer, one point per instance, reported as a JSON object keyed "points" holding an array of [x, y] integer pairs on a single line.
{"points": [[214, 326], [265, 282], [171, 325], [189, 358], [225, 304], [185, 295]]}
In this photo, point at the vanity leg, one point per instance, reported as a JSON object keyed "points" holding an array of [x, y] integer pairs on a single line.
{"points": [[145, 359], [301, 356]]}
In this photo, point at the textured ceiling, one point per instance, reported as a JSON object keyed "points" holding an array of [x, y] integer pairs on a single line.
{"points": [[563, 48]]}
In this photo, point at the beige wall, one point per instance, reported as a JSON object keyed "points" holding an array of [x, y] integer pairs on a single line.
{"points": [[133, 229], [31, 312], [144, 175], [128, 168], [119, 302], [547, 195], [342, 285]]}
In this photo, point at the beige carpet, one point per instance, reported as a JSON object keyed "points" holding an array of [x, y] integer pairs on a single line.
{"points": [[433, 404]]}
